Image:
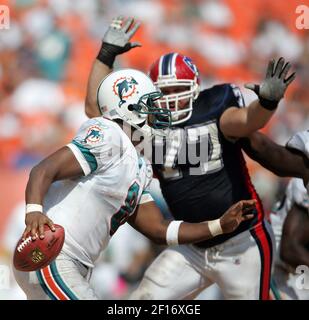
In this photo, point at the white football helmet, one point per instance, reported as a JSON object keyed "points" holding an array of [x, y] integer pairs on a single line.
{"points": [[130, 95]]}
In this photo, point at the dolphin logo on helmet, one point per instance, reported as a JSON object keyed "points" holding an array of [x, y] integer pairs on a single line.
{"points": [[137, 106], [125, 88]]}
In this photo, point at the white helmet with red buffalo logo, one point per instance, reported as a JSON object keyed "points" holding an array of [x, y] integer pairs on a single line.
{"points": [[130, 95], [172, 70]]}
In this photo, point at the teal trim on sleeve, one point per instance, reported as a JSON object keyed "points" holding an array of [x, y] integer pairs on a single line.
{"points": [[90, 158]]}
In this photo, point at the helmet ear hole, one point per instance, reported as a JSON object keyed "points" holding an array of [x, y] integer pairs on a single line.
{"points": [[130, 107]]}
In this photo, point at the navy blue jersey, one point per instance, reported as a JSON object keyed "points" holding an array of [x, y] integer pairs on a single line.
{"points": [[202, 174]]}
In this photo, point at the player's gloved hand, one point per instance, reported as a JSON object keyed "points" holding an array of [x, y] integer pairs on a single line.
{"points": [[237, 213], [35, 222], [273, 87], [116, 40]]}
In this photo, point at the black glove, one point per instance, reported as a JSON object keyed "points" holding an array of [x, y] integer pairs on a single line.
{"points": [[116, 40], [273, 87]]}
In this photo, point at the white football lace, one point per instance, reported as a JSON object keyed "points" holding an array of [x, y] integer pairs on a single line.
{"points": [[23, 244]]}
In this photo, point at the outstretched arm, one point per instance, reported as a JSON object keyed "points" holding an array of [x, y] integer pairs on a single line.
{"points": [[240, 122], [98, 72], [278, 159], [115, 41], [149, 221]]}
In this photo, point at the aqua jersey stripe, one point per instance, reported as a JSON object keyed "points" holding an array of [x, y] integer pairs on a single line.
{"points": [[140, 162], [57, 278], [90, 158], [274, 290], [44, 287]]}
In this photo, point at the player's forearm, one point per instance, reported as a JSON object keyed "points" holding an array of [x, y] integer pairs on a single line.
{"points": [[148, 220], [194, 232], [98, 72], [274, 157], [294, 254], [257, 116], [188, 233], [236, 123], [242, 122]]}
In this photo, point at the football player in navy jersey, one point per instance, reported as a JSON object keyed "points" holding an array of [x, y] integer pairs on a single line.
{"points": [[202, 172]]}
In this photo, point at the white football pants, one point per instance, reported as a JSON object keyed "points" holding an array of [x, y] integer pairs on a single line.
{"points": [[64, 279], [241, 267]]}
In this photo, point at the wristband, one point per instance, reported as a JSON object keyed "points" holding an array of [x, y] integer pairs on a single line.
{"points": [[172, 233], [106, 54], [215, 227], [34, 208], [268, 104]]}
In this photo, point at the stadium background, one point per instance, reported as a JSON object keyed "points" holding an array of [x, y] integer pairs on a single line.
{"points": [[46, 55]]}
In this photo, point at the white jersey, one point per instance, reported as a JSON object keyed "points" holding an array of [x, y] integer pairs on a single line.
{"points": [[92, 207], [283, 276], [296, 193]]}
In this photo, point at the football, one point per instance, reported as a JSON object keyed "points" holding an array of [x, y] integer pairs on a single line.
{"points": [[32, 255]]}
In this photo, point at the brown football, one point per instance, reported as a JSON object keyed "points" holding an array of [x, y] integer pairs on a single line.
{"points": [[32, 255]]}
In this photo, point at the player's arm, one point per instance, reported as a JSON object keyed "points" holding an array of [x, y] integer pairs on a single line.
{"points": [[98, 72], [60, 165], [115, 41], [280, 160], [240, 122], [149, 221], [295, 237]]}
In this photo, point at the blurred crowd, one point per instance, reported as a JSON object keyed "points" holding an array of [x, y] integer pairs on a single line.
{"points": [[46, 56]]}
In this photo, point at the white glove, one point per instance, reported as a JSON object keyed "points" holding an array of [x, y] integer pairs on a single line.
{"points": [[273, 87], [116, 40]]}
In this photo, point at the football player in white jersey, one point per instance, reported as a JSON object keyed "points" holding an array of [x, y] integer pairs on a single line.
{"points": [[290, 222], [98, 182]]}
